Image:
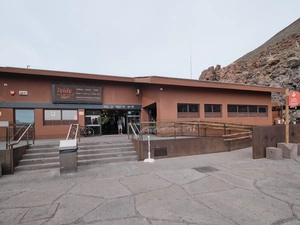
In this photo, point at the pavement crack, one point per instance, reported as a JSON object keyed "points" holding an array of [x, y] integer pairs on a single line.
{"points": [[283, 221], [296, 160]]}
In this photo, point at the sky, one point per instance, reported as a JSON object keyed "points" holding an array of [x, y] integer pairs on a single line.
{"points": [[133, 38]]}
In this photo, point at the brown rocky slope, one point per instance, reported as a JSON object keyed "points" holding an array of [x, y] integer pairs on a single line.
{"points": [[276, 63]]}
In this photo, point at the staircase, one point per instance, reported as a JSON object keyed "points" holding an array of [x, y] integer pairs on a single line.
{"points": [[39, 157]]}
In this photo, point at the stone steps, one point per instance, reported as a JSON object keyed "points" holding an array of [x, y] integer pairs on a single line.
{"points": [[47, 157]]}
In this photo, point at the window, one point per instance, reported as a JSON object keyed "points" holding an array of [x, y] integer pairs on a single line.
{"points": [[213, 110], [188, 110], [60, 117], [24, 116], [247, 111]]}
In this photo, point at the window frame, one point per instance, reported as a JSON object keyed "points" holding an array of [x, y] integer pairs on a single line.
{"points": [[188, 107], [60, 120], [211, 112], [247, 110]]}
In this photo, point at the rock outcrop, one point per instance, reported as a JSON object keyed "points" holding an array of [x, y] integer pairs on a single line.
{"points": [[276, 63]]}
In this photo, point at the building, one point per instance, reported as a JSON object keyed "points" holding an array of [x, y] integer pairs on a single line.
{"points": [[53, 100]]}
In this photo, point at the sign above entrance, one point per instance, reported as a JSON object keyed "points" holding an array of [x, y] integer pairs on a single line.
{"points": [[76, 94], [294, 99]]}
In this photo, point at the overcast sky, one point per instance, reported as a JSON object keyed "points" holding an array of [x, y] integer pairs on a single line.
{"points": [[171, 38]]}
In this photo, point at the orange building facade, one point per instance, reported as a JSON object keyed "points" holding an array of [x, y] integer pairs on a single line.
{"points": [[53, 100]]}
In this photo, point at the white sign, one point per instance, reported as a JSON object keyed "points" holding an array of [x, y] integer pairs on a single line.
{"points": [[4, 124]]}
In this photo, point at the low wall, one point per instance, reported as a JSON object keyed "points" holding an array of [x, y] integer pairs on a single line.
{"points": [[269, 136], [5, 158], [162, 148]]}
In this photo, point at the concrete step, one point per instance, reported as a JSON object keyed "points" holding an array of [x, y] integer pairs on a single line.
{"points": [[106, 155], [43, 146], [41, 155], [47, 156], [24, 162], [41, 150], [107, 160], [37, 167], [104, 146], [106, 150]]}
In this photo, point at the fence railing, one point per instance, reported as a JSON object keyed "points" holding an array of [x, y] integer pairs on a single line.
{"points": [[228, 131]]}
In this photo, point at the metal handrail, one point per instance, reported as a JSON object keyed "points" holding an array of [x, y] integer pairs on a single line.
{"points": [[73, 129], [130, 125], [22, 135], [10, 145]]}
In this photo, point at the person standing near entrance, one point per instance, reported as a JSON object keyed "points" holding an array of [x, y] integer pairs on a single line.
{"points": [[120, 126]]}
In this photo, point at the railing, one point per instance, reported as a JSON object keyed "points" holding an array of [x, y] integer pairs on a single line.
{"points": [[73, 132], [227, 131], [11, 145]]}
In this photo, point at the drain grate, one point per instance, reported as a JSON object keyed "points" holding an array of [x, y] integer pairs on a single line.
{"points": [[206, 169]]}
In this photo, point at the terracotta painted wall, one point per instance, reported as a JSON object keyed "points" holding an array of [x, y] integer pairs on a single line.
{"points": [[40, 91], [169, 97]]}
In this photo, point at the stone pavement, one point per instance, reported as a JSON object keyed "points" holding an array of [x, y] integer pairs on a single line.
{"points": [[227, 188]]}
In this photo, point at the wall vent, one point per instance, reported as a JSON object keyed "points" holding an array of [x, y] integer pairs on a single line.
{"points": [[160, 152]]}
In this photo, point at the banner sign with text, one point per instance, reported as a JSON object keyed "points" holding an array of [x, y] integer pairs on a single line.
{"points": [[294, 99], [76, 94]]}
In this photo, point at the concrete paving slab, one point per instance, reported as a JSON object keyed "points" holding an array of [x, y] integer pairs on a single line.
{"points": [[129, 221], [37, 222], [180, 177], [292, 222], [235, 180], [108, 188], [174, 204], [246, 207], [36, 197], [252, 174], [12, 215], [112, 209], [205, 185], [39, 213], [73, 207], [286, 190], [159, 222], [243, 191], [144, 183]]}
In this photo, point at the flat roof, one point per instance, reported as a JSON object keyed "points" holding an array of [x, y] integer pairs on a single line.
{"points": [[159, 80]]}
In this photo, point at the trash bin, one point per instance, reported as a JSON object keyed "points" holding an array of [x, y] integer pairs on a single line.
{"points": [[68, 156]]}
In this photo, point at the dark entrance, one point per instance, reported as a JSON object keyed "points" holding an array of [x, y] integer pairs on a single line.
{"points": [[109, 119]]}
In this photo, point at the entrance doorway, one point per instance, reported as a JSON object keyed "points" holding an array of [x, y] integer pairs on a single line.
{"points": [[110, 118], [109, 121]]}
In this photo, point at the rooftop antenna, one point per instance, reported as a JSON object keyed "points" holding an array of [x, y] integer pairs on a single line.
{"points": [[191, 66], [28, 66]]}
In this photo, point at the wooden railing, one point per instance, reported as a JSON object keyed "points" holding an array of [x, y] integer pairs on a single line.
{"points": [[227, 131]]}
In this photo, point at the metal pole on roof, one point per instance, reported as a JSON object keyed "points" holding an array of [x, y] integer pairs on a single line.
{"points": [[191, 67], [287, 132]]}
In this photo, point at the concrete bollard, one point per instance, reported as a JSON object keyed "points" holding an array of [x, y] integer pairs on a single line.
{"points": [[273, 153], [289, 150]]}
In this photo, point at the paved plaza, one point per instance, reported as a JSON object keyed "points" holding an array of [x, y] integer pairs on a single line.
{"points": [[227, 188]]}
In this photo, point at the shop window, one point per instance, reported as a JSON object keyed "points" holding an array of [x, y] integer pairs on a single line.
{"points": [[60, 117], [188, 110], [213, 110], [247, 111]]}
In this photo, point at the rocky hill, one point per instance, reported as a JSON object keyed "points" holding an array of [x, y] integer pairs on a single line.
{"points": [[276, 63]]}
